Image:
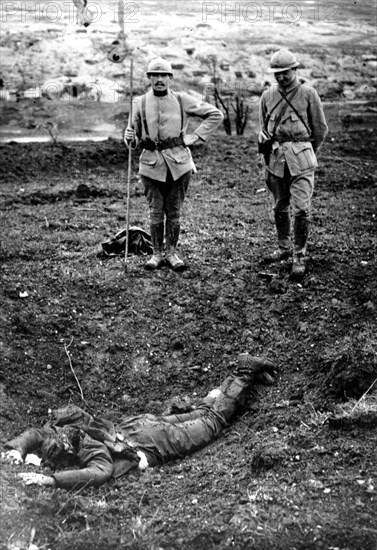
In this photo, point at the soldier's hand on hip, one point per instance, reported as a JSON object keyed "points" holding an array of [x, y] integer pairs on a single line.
{"points": [[129, 135], [190, 139]]}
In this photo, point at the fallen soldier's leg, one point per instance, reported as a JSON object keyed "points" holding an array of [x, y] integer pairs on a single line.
{"points": [[172, 436], [232, 392]]}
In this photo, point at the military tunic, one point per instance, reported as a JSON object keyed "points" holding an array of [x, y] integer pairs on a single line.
{"points": [[163, 116], [294, 146]]}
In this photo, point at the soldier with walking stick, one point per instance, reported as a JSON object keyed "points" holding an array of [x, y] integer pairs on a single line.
{"points": [[158, 124]]}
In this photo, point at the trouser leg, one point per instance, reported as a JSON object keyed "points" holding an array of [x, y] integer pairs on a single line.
{"points": [[183, 417], [225, 400], [173, 204], [302, 187], [279, 188], [155, 201], [181, 434], [302, 191]]}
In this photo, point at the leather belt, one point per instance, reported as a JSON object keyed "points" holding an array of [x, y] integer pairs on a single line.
{"points": [[291, 140], [161, 145]]}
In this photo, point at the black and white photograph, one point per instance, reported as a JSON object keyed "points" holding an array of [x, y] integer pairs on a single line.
{"points": [[188, 326]]}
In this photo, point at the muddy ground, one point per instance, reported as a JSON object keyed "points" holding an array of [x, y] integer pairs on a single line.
{"points": [[297, 470], [285, 475]]}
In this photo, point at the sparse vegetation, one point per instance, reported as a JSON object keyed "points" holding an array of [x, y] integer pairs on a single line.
{"points": [[297, 470], [234, 101]]}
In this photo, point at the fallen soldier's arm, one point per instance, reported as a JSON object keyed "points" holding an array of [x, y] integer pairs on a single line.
{"points": [[30, 441], [93, 456], [98, 467]]}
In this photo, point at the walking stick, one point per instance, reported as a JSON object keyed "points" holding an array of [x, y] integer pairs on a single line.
{"points": [[117, 54], [129, 171]]}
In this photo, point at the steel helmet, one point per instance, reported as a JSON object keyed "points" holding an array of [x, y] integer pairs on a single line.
{"points": [[282, 61], [159, 66]]}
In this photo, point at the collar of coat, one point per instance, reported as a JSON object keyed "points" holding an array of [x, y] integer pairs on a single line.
{"points": [[160, 94], [295, 82]]}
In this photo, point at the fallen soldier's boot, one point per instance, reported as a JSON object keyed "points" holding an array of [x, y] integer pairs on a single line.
{"points": [[154, 262], [255, 368]]}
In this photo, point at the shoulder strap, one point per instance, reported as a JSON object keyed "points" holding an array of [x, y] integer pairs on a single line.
{"points": [[285, 106], [181, 108], [270, 113], [288, 100], [143, 116]]}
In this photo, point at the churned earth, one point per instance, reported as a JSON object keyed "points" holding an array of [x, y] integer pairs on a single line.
{"points": [[293, 471], [297, 469]]}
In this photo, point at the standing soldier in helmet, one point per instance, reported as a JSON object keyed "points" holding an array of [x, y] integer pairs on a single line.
{"points": [[158, 125], [293, 127]]}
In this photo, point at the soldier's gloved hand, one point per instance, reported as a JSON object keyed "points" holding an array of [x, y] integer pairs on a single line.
{"points": [[36, 479], [255, 368], [12, 456], [129, 135]]}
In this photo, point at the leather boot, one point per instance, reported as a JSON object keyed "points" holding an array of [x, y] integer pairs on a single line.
{"points": [[234, 390], [301, 232], [157, 238], [255, 369], [172, 236], [283, 228], [299, 265]]}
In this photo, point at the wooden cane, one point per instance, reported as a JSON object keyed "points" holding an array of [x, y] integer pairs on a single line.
{"points": [[129, 170]]}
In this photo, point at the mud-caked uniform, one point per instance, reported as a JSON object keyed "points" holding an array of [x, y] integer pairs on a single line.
{"points": [[102, 450], [297, 135]]}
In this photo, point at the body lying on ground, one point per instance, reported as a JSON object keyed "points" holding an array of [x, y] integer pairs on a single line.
{"points": [[82, 450]]}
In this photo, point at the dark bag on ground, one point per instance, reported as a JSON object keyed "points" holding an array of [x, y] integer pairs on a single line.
{"points": [[139, 242]]}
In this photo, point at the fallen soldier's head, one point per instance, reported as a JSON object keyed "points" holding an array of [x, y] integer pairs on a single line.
{"points": [[60, 449]]}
